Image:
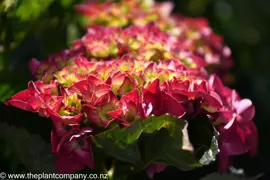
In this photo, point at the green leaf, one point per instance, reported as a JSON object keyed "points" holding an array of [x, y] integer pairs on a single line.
{"points": [[5, 92], [66, 3], [210, 155], [130, 153], [162, 139], [203, 137], [126, 136], [121, 143], [33, 152], [185, 144], [29, 9], [170, 146]]}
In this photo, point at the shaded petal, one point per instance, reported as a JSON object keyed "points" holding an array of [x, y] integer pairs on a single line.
{"points": [[252, 138], [171, 106], [66, 163], [154, 169], [33, 65], [54, 141], [92, 114], [224, 161]]}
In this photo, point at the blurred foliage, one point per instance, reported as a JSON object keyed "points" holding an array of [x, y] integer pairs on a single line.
{"points": [[29, 148], [32, 29], [36, 28]]}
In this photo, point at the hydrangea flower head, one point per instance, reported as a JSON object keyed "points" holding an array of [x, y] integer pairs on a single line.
{"points": [[128, 73]]}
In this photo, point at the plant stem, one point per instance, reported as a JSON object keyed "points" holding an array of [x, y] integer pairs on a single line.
{"points": [[110, 172]]}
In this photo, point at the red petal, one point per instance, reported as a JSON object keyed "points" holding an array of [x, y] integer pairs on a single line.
{"points": [[116, 113], [20, 104], [134, 96], [172, 106], [65, 120], [33, 88], [25, 100], [154, 87]]}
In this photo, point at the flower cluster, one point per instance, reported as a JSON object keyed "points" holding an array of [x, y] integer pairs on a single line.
{"points": [[117, 76], [86, 95], [193, 34], [100, 43]]}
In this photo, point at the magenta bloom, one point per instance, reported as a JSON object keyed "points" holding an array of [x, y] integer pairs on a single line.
{"points": [[238, 132]]}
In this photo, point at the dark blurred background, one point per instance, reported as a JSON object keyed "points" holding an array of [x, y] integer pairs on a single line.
{"points": [[36, 28]]}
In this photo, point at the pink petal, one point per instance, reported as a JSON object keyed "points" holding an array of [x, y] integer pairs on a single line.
{"points": [[243, 105], [155, 168], [245, 110]]}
